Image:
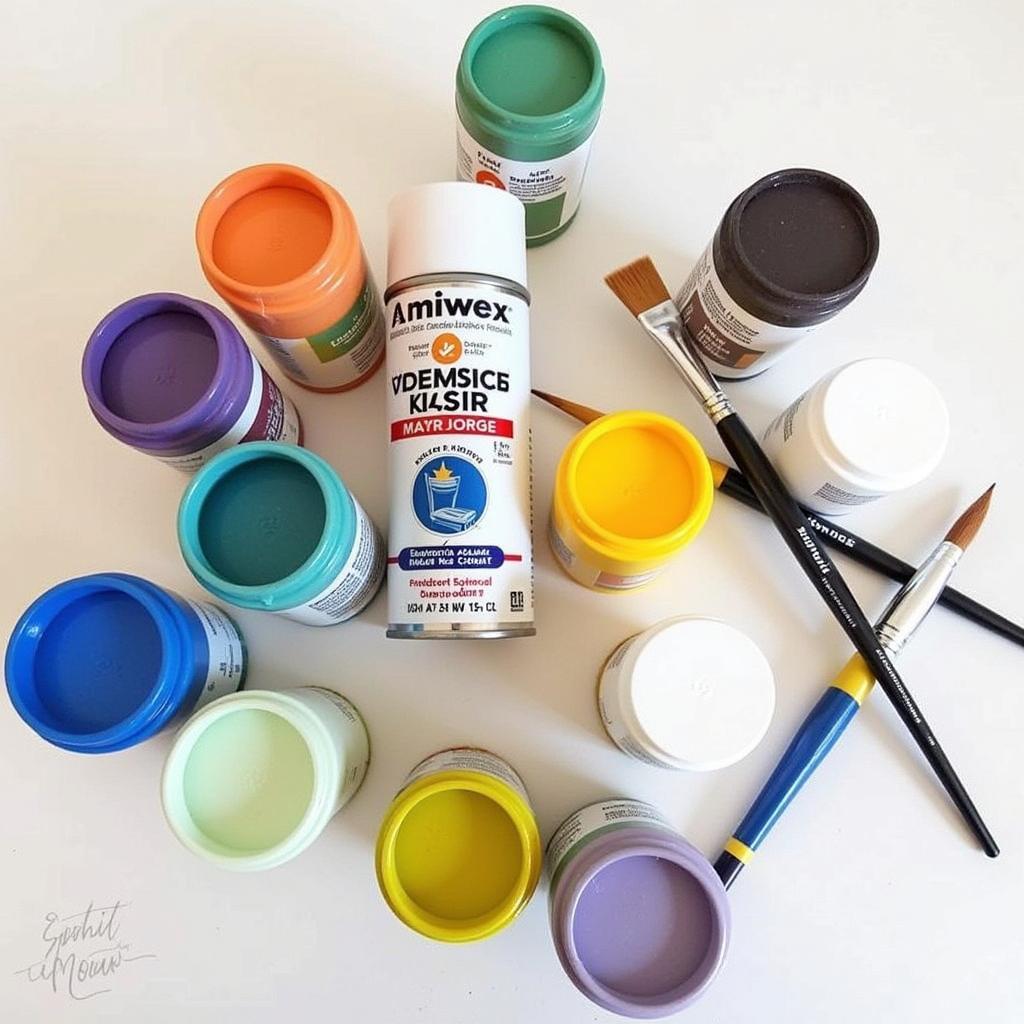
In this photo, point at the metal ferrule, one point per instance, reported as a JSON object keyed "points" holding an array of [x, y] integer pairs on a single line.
{"points": [[908, 608], [664, 325]]}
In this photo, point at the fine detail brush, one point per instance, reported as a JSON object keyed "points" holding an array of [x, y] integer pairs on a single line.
{"points": [[640, 288], [843, 699], [732, 482]]}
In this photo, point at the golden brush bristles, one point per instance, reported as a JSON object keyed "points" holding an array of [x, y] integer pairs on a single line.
{"points": [[963, 531], [638, 285], [584, 413]]}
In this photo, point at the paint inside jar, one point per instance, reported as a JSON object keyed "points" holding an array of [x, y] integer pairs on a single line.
{"points": [[272, 235], [458, 855], [159, 367], [805, 237], [641, 926], [262, 521], [249, 780], [532, 68], [96, 662], [635, 482]]}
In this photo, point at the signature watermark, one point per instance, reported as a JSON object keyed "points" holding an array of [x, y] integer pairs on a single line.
{"points": [[83, 952]]}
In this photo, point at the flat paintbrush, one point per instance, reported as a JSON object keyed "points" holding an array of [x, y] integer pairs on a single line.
{"points": [[843, 699], [640, 288], [732, 482]]}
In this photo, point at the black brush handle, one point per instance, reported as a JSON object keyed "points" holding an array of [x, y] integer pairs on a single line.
{"points": [[799, 535], [864, 552]]}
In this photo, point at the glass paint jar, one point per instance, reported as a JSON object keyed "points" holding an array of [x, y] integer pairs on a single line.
{"points": [[103, 662], [172, 377], [867, 429], [281, 247], [687, 693], [272, 527], [791, 251], [639, 918], [528, 95], [632, 489], [458, 855], [254, 778]]}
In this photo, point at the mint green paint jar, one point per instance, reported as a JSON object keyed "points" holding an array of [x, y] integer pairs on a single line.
{"points": [[528, 95]]}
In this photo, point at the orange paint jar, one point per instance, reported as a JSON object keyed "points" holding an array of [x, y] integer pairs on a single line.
{"points": [[281, 247]]}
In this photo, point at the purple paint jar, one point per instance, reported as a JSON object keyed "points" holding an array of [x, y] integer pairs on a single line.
{"points": [[172, 377], [639, 918]]}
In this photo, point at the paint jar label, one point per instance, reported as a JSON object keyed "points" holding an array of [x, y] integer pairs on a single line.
{"points": [[468, 759], [595, 820], [340, 355], [577, 566], [549, 189], [355, 769], [354, 587], [787, 442], [609, 705], [269, 415], [735, 343], [459, 544], [226, 653]]}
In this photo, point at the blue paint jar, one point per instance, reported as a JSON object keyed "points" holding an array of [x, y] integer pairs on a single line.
{"points": [[271, 527], [103, 662]]}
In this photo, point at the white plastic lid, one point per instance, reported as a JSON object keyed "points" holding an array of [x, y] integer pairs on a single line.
{"points": [[701, 691], [884, 421], [456, 227]]}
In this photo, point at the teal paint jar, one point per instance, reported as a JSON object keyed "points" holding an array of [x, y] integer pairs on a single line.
{"points": [[528, 95], [271, 527]]}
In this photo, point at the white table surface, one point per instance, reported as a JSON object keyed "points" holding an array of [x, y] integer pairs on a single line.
{"points": [[869, 900]]}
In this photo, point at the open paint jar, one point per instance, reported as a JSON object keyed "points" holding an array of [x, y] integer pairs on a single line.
{"points": [[632, 489], [639, 918], [687, 693], [458, 856], [272, 527], [254, 778], [103, 662], [172, 377]]}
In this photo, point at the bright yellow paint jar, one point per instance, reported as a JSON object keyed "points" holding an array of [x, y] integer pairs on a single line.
{"points": [[458, 856], [631, 491]]}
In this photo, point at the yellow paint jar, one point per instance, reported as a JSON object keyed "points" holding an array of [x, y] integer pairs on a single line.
{"points": [[632, 489], [459, 856]]}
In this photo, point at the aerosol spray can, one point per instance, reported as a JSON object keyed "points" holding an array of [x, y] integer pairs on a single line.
{"points": [[460, 560]]}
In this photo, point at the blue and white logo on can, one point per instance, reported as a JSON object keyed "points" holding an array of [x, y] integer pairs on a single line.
{"points": [[449, 495]]}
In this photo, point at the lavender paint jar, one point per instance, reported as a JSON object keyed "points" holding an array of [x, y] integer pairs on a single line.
{"points": [[639, 918], [172, 377]]}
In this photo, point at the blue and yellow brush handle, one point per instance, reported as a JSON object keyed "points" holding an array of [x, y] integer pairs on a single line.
{"points": [[812, 742]]}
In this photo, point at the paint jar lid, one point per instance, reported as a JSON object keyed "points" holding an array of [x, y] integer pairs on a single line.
{"points": [[881, 422], [167, 373], [266, 525], [530, 83], [796, 247], [456, 227], [252, 779], [99, 663], [698, 693]]}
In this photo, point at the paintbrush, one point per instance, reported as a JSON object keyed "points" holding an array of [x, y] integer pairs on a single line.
{"points": [[842, 700], [732, 482], [640, 288]]}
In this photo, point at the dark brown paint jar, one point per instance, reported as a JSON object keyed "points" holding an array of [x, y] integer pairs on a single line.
{"points": [[792, 250]]}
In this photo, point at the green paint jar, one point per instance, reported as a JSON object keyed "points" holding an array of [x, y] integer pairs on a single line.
{"points": [[528, 95]]}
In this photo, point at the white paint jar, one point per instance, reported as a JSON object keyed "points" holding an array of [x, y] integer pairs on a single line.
{"points": [[687, 693], [866, 429]]}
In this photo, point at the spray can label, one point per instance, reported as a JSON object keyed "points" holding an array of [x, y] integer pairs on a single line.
{"points": [[459, 546]]}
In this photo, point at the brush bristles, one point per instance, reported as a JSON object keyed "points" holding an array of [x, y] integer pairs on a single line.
{"points": [[584, 413], [964, 530], [638, 285]]}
